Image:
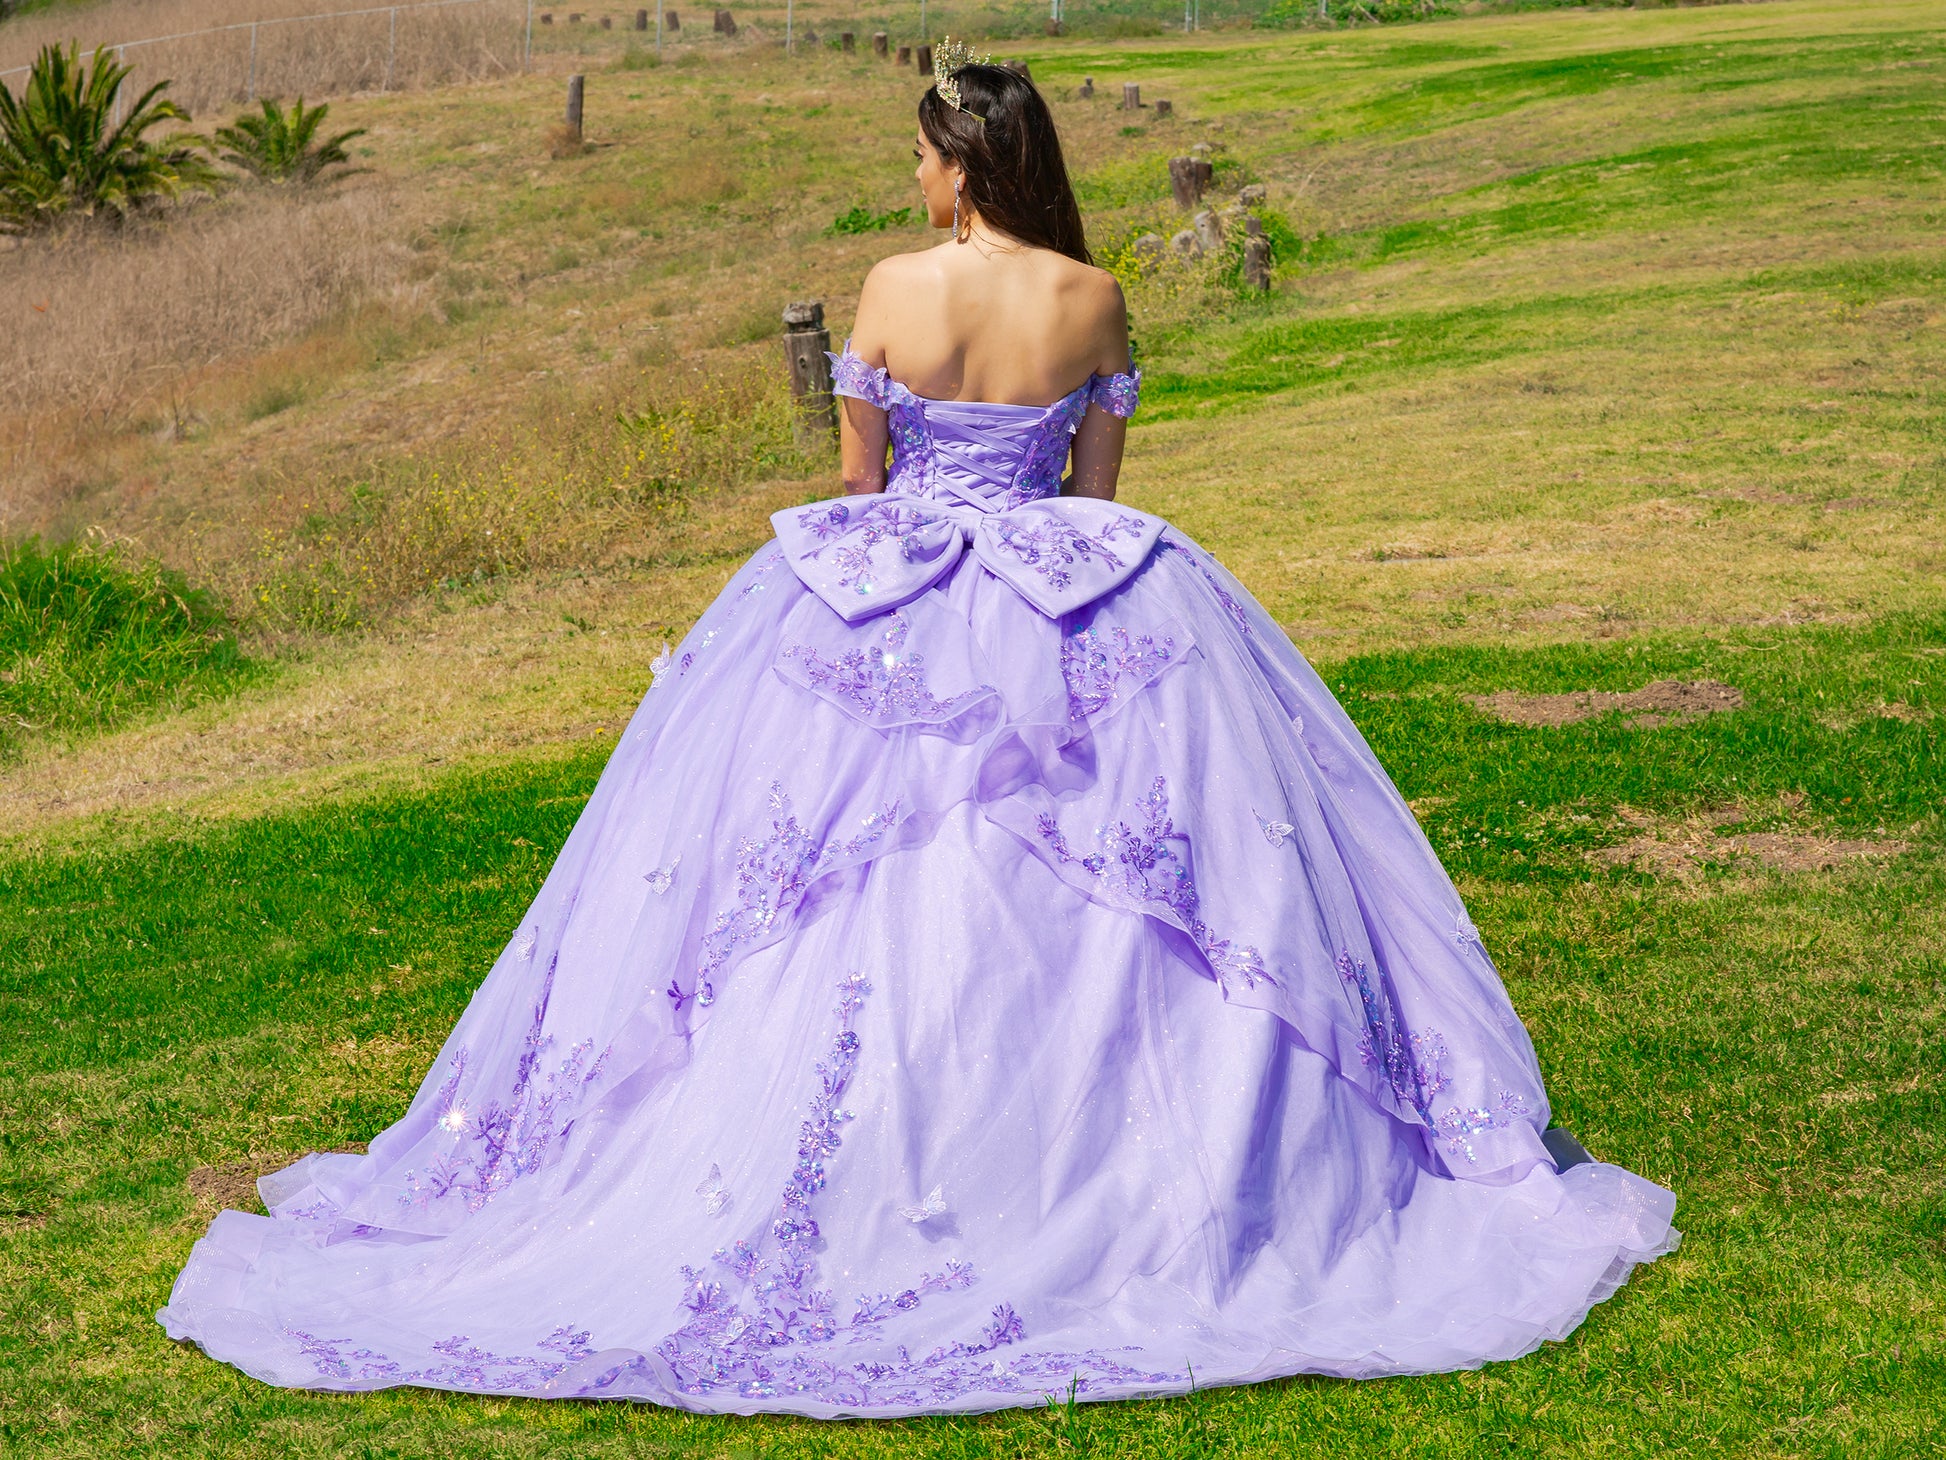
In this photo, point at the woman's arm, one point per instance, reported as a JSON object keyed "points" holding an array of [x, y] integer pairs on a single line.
{"points": [[863, 431], [1096, 459], [862, 438]]}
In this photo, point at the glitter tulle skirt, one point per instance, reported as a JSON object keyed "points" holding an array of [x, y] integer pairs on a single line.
{"points": [[937, 1011]]}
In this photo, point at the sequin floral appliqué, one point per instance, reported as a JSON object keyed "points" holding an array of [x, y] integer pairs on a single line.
{"points": [[883, 682], [766, 1328], [1136, 868], [1413, 1066]]}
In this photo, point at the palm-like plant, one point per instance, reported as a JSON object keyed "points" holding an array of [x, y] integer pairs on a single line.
{"points": [[282, 146], [61, 150]]}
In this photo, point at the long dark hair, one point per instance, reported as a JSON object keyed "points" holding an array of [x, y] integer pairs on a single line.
{"points": [[1016, 178]]}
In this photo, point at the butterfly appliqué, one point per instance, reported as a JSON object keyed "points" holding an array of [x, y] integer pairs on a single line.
{"points": [[1275, 832], [661, 878], [714, 1193], [659, 666], [933, 1206]]}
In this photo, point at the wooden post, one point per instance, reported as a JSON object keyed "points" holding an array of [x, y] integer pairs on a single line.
{"points": [[725, 23], [905, 56], [672, 20], [547, 17], [1256, 255], [1188, 176], [1164, 108], [1131, 96], [847, 42], [924, 57], [1087, 92], [641, 20], [880, 44], [574, 106], [805, 341], [607, 22]]}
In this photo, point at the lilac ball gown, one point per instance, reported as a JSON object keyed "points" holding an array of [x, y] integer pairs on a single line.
{"points": [[991, 960]]}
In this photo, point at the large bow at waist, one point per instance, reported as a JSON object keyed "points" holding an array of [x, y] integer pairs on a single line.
{"points": [[867, 555]]}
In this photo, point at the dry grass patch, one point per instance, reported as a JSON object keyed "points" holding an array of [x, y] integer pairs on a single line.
{"points": [[1662, 702], [1681, 849], [310, 58], [107, 329]]}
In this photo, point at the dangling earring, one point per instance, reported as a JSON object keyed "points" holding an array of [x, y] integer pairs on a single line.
{"points": [[956, 187]]}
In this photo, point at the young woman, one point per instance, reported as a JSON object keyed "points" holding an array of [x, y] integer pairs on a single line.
{"points": [[990, 961]]}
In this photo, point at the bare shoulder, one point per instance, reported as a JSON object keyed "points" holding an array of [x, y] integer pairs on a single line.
{"points": [[1100, 313], [886, 298]]}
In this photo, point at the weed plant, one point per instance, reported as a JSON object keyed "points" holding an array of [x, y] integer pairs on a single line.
{"points": [[89, 637]]}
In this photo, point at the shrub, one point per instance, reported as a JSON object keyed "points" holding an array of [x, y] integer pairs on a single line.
{"points": [[61, 151], [861, 219], [86, 637], [280, 146]]}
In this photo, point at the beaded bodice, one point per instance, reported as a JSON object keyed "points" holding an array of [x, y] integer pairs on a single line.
{"points": [[980, 453]]}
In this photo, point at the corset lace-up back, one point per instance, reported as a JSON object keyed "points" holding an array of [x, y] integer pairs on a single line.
{"points": [[981, 453]]}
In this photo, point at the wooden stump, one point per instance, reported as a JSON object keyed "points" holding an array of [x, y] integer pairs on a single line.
{"points": [[805, 341], [847, 42], [1019, 68], [1188, 176], [1087, 91], [574, 17], [881, 43], [1256, 256], [905, 56], [1131, 96], [607, 22], [725, 23], [547, 18], [924, 58], [575, 84], [1164, 108], [671, 20], [641, 20]]}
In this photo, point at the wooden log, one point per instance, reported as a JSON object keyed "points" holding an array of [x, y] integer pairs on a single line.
{"points": [[607, 22], [1019, 68], [924, 57], [847, 42], [574, 106], [1256, 255], [547, 17], [671, 20], [881, 43], [725, 23], [805, 341], [1164, 108], [905, 56], [1131, 96], [574, 17], [1188, 177], [641, 20]]}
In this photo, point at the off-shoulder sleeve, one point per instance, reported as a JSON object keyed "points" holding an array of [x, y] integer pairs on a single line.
{"points": [[1117, 394], [853, 377]]}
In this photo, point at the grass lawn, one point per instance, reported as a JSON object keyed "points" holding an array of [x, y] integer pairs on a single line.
{"points": [[1606, 350]]}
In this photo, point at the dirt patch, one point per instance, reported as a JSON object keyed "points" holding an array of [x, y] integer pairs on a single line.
{"points": [[233, 1185], [1681, 849], [20, 1219], [1664, 701]]}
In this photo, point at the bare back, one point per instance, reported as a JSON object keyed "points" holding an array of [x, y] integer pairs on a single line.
{"points": [[996, 322], [1012, 325]]}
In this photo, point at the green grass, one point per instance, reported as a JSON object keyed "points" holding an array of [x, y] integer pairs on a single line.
{"points": [[1605, 348], [89, 637], [1766, 1044]]}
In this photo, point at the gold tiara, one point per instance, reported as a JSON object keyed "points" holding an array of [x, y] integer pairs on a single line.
{"points": [[947, 57]]}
